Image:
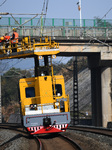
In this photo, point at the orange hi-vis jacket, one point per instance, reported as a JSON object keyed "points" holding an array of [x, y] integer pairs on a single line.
{"points": [[15, 40], [6, 38]]}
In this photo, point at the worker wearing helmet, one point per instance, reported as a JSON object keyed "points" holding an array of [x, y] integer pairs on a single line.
{"points": [[14, 40]]}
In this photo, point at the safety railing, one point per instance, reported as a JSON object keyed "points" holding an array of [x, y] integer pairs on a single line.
{"points": [[26, 44], [55, 107], [58, 27], [54, 22], [75, 32], [40, 109]]}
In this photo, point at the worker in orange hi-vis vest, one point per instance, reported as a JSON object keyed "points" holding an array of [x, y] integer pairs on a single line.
{"points": [[14, 40], [6, 39]]}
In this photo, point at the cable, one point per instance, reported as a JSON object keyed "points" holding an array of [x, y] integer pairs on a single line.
{"points": [[23, 23], [3, 3], [101, 18], [43, 6], [107, 13], [62, 58], [17, 62], [91, 28], [46, 11], [61, 66], [4, 71], [95, 25], [15, 19], [19, 74], [41, 14], [5, 66], [86, 34]]}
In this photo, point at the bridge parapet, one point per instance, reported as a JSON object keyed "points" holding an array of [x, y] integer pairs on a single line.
{"points": [[95, 28], [68, 32]]}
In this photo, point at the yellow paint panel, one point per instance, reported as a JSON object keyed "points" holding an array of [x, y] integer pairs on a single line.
{"points": [[46, 52], [60, 80], [24, 83], [45, 89]]}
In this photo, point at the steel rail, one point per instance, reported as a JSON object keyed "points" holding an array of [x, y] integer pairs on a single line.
{"points": [[74, 144], [20, 129], [96, 130], [39, 142]]}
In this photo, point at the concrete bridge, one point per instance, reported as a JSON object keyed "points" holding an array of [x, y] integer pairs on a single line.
{"points": [[99, 62], [64, 28], [93, 40]]}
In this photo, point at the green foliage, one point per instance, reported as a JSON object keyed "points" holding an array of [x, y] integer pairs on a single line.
{"points": [[102, 23], [67, 69], [57, 67], [81, 64], [10, 85]]}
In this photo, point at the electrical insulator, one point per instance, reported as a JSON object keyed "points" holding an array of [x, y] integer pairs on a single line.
{"points": [[4, 13]]}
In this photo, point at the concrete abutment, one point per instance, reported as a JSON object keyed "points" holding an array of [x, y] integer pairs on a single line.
{"points": [[106, 96], [100, 91]]}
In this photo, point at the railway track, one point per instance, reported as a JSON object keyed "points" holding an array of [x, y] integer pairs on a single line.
{"points": [[100, 131], [91, 138], [14, 134], [43, 142], [56, 142], [75, 145]]}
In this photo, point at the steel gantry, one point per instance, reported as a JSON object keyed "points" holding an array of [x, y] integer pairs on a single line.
{"points": [[75, 93]]}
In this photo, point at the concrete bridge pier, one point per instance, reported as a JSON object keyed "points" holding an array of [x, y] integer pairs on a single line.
{"points": [[106, 96], [96, 96], [100, 92]]}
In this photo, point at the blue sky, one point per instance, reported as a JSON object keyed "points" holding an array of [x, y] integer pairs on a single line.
{"points": [[57, 9], [60, 8]]}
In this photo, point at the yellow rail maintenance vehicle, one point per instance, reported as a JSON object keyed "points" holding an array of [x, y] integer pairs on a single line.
{"points": [[44, 103]]}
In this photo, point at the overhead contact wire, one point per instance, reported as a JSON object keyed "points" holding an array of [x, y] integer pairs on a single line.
{"points": [[3, 3]]}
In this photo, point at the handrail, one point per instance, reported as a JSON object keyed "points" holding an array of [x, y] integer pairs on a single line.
{"points": [[57, 22], [26, 45]]}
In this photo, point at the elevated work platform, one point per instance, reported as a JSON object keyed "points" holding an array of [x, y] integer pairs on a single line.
{"points": [[29, 49]]}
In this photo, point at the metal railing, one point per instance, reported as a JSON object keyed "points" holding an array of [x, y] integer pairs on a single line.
{"points": [[75, 32], [54, 22], [26, 45], [58, 27]]}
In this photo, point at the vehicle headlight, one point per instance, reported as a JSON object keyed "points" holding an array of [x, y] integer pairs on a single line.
{"points": [[33, 106], [57, 103], [58, 94]]}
